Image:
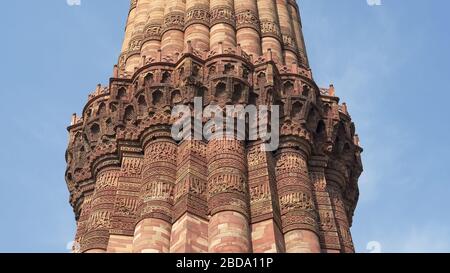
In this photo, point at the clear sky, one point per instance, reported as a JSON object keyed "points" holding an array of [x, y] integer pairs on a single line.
{"points": [[390, 63]]}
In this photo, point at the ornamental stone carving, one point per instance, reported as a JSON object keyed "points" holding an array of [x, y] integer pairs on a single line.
{"points": [[134, 187], [173, 21], [224, 15], [198, 15], [247, 18]]}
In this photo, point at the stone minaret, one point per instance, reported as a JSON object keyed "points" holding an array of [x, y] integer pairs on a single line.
{"points": [[134, 188]]}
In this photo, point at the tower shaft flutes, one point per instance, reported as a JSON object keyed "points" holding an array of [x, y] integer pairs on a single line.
{"points": [[136, 187]]}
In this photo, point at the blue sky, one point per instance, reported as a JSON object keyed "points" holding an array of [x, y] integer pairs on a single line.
{"points": [[390, 63]]}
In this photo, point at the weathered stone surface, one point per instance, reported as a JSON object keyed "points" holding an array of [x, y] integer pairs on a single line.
{"points": [[135, 189]]}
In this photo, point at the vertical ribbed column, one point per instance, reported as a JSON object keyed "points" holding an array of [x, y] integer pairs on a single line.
{"points": [[172, 41], [152, 31], [297, 25], [190, 228], [270, 29], [142, 11], [342, 219], [153, 229], [228, 230], [83, 219], [102, 206], [267, 236], [335, 175], [329, 237], [287, 32], [128, 187], [223, 24], [128, 35], [295, 191], [134, 52], [130, 26], [248, 29], [197, 24]]}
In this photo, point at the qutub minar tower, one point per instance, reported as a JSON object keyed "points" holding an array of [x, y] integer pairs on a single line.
{"points": [[136, 189]]}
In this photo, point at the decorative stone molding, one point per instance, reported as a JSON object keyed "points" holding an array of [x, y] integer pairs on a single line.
{"points": [[271, 29], [223, 15], [135, 44], [131, 183], [289, 43], [248, 18], [153, 32], [173, 21], [197, 15]]}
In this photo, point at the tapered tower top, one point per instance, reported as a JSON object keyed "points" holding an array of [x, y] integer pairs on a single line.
{"points": [[158, 29]]}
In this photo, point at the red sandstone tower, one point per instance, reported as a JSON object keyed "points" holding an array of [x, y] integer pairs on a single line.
{"points": [[135, 189]]}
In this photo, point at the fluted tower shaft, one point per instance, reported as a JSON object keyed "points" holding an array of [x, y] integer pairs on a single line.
{"points": [[137, 186]]}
